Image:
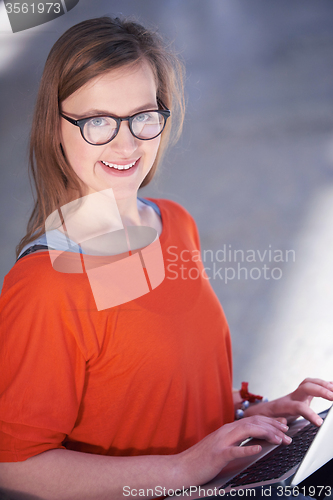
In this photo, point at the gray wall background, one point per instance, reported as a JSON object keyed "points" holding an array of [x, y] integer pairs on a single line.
{"points": [[254, 165]]}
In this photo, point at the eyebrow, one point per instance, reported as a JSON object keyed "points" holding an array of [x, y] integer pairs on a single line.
{"points": [[100, 112]]}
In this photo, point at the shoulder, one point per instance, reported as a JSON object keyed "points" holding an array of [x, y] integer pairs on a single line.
{"points": [[42, 306], [178, 223], [33, 280], [35, 269], [173, 209], [30, 269]]}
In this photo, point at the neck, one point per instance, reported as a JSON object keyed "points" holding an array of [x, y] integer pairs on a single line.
{"points": [[129, 212]]}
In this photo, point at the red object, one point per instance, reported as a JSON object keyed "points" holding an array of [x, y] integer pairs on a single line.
{"points": [[152, 376], [247, 396]]}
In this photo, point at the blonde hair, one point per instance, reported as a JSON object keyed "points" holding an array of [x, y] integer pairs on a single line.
{"points": [[83, 52]]}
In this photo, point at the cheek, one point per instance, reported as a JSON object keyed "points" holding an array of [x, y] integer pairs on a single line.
{"points": [[153, 146], [76, 151]]}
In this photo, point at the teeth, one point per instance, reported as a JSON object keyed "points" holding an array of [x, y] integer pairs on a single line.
{"points": [[118, 167]]}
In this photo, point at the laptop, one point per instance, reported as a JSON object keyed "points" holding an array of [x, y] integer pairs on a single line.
{"points": [[275, 465]]}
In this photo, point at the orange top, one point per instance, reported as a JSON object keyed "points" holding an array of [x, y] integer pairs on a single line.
{"points": [[152, 376]]}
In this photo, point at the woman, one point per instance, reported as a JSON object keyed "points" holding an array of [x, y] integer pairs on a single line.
{"points": [[139, 394]]}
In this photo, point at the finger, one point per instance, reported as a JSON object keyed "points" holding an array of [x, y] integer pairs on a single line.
{"points": [[315, 388], [260, 427], [306, 412], [283, 420], [318, 381], [241, 451], [279, 423]]}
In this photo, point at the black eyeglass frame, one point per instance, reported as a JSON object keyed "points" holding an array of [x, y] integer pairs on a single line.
{"points": [[82, 121]]}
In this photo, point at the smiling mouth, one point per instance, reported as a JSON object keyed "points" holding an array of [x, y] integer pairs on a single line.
{"points": [[119, 167]]}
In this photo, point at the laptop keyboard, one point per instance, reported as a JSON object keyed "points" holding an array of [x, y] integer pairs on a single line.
{"points": [[279, 461]]}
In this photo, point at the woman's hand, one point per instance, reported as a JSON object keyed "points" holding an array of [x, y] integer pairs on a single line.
{"points": [[68, 474], [296, 403], [203, 461]]}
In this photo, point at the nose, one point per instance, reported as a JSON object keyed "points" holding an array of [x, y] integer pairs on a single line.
{"points": [[124, 143]]}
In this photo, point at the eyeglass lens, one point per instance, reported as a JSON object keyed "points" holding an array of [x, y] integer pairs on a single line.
{"points": [[101, 129]]}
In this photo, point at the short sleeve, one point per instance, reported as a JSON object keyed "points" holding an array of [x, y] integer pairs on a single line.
{"points": [[42, 364]]}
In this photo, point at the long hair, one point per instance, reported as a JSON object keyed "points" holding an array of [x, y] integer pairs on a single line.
{"points": [[83, 52]]}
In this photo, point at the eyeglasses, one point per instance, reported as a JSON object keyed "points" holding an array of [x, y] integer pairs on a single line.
{"points": [[99, 130]]}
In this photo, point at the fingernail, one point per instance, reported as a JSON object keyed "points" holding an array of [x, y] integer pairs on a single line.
{"points": [[284, 427], [288, 439], [278, 438], [319, 421]]}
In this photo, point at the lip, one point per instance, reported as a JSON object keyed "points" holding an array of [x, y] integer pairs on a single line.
{"points": [[120, 173]]}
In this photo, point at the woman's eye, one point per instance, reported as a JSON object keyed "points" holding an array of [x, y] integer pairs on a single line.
{"points": [[99, 121], [143, 117]]}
